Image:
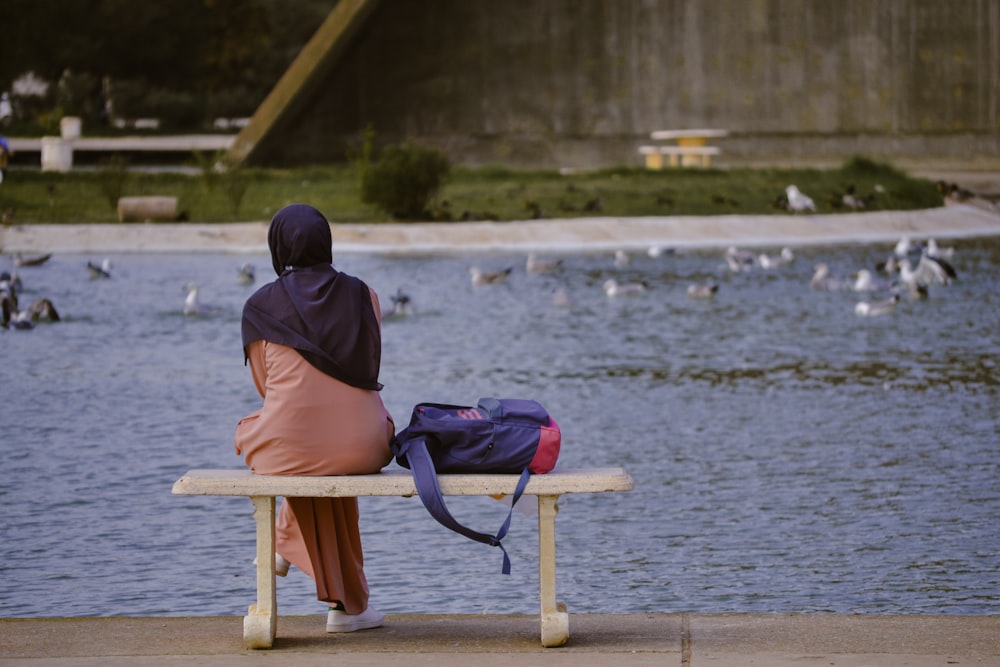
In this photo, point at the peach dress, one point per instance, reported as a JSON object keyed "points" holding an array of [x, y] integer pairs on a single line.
{"points": [[313, 424]]}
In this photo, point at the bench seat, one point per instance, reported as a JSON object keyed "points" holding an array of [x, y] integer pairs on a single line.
{"points": [[260, 624], [679, 155]]}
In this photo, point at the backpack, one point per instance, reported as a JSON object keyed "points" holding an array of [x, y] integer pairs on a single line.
{"points": [[497, 436]]}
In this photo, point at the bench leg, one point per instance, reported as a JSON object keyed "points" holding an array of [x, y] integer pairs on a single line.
{"points": [[261, 621], [555, 620]]}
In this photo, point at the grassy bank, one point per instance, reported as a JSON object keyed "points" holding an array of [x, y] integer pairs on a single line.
{"points": [[88, 196]]}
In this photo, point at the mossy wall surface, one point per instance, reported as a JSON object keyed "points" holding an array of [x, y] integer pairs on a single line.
{"points": [[582, 82]]}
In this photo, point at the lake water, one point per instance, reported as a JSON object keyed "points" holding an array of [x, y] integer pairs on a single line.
{"points": [[789, 456]]}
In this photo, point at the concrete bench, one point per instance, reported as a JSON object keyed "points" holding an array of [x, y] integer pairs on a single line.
{"points": [[678, 155], [147, 209], [260, 624]]}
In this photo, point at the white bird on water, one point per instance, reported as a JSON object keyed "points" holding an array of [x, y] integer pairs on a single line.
{"points": [[246, 274], [192, 305], [102, 271], [903, 247], [702, 290], [479, 277], [929, 271], [536, 265], [561, 298], [739, 260], [402, 306], [613, 288], [941, 253], [822, 280], [797, 201], [767, 262], [865, 282], [874, 308]]}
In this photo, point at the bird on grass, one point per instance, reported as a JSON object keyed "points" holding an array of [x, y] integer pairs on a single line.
{"points": [[851, 200], [798, 201]]}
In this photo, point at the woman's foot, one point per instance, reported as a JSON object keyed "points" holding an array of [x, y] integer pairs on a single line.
{"points": [[341, 621], [280, 565]]}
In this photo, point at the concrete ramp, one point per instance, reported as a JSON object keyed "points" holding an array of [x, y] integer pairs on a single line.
{"points": [[308, 71]]}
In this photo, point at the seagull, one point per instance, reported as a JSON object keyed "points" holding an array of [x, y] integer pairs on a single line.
{"points": [[103, 271], [21, 260], [622, 259], [941, 253], [739, 260], [489, 278], [821, 279], [655, 251], [535, 265], [852, 200], [192, 306], [613, 289], [10, 317], [10, 283], [246, 274], [797, 201], [873, 308], [703, 290], [889, 266], [929, 271], [865, 282], [561, 298], [903, 247], [768, 262], [401, 306], [40, 309]]}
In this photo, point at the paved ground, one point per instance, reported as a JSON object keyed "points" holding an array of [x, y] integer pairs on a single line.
{"points": [[550, 235], [624, 640]]}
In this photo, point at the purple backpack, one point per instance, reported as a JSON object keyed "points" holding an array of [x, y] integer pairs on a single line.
{"points": [[507, 435]]}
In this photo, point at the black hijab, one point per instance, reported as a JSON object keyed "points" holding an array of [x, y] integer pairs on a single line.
{"points": [[326, 315]]}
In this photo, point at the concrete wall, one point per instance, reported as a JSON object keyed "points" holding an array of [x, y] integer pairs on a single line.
{"points": [[581, 83]]}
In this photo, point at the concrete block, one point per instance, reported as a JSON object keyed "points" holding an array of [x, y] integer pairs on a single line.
{"points": [[147, 209]]}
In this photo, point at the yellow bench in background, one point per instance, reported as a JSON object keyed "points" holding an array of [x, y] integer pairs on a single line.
{"points": [[690, 150]]}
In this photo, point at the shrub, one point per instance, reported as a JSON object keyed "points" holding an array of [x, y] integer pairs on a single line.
{"points": [[405, 180], [113, 175]]}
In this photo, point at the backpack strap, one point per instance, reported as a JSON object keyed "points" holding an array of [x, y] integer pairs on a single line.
{"points": [[426, 481]]}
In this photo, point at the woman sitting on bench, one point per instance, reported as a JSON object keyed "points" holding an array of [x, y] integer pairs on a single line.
{"points": [[313, 341]]}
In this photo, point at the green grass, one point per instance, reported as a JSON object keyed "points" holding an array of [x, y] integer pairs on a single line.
{"points": [[86, 196]]}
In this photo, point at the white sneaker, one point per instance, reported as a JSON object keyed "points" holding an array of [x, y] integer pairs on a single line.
{"points": [[280, 565], [340, 621]]}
